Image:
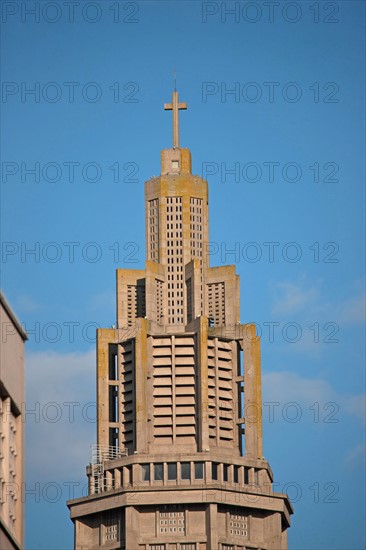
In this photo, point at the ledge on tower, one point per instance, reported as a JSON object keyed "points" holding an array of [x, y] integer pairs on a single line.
{"points": [[176, 161]]}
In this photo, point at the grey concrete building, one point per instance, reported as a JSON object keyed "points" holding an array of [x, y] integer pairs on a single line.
{"points": [[178, 463], [12, 395]]}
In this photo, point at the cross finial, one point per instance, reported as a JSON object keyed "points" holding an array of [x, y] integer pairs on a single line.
{"points": [[175, 106]]}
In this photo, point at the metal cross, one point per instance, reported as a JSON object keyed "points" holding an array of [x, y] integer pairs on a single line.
{"points": [[175, 106]]}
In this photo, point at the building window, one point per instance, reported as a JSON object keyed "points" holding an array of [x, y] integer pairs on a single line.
{"points": [[158, 471], [189, 300], [157, 547], [236, 474], [185, 470], [216, 303], [198, 470], [111, 528], [189, 546], [214, 470], [238, 522], [174, 206], [145, 472], [172, 471], [246, 476], [225, 472], [172, 519]]}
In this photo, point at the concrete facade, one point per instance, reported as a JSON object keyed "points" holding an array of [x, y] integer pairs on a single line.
{"points": [[12, 398], [179, 462]]}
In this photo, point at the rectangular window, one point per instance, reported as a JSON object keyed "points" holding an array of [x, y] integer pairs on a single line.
{"points": [[158, 471], [172, 470], [246, 476], [214, 470], [198, 470], [185, 470], [145, 472], [113, 403], [113, 362], [236, 474], [111, 528], [225, 472], [113, 438]]}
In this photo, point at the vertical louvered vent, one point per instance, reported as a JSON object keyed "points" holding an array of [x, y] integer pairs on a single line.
{"points": [[174, 246], [127, 362], [153, 230], [159, 301], [136, 301], [174, 390], [220, 392]]}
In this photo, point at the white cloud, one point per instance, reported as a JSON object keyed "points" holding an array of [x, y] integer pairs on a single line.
{"points": [[54, 375], [26, 304], [61, 391], [292, 298], [286, 387], [311, 302]]}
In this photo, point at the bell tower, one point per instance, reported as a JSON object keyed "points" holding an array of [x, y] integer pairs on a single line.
{"points": [[178, 463]]}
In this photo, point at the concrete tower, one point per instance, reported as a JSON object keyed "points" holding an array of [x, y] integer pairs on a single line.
{"points": [[178, 464]]}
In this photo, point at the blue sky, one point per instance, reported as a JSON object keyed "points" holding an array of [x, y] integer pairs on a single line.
{"points": [[275, 122]]}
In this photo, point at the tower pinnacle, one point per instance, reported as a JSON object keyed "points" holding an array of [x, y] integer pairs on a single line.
{"points": [[175, 106]]}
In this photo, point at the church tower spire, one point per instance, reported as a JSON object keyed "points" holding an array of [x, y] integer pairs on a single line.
{"points": [[175, 160], [179, 462]]}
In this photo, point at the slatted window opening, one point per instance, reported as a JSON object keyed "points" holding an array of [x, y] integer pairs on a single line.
{"points": [[127, 395], [159, 301], [220, 392], [196, 235], [189, 300], [162, 392], [185, 390], [153, 230], [136, 302], [216, 303], [174, 389], [174, 249]]}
